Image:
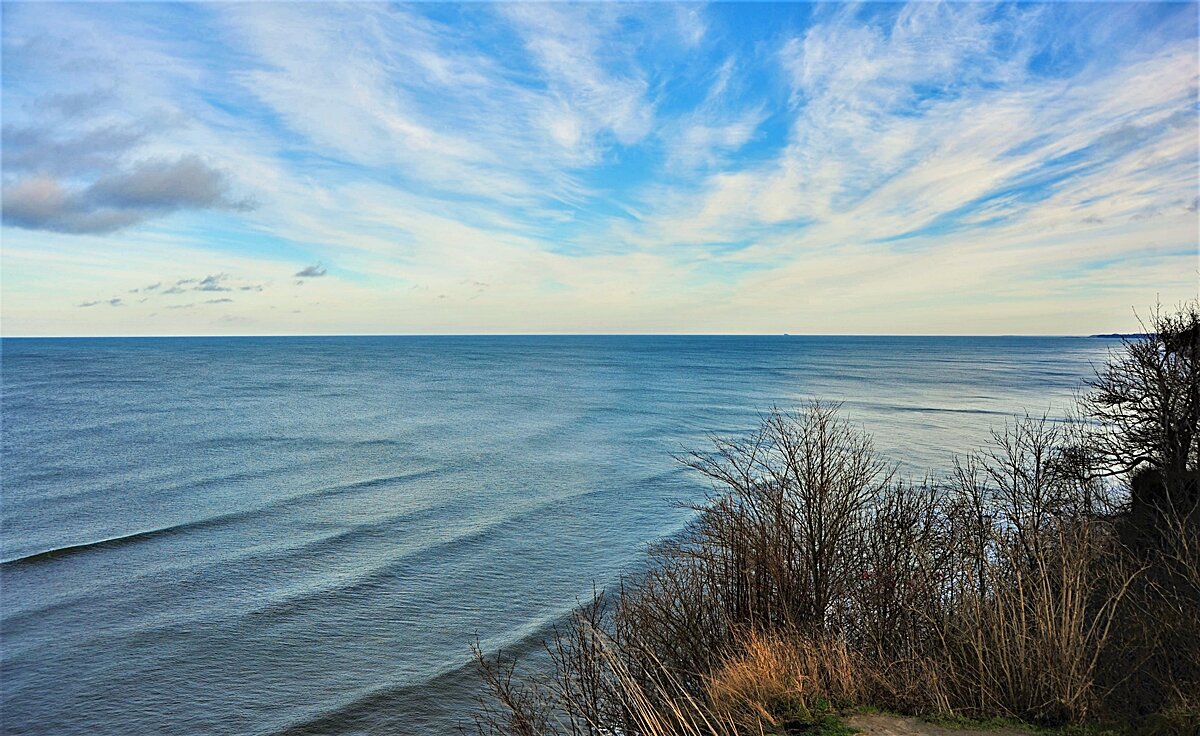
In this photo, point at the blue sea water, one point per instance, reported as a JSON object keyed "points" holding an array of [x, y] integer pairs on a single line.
{"points": [[304, 535]]}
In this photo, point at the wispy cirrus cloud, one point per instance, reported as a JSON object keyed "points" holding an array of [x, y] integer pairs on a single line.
{"points": [[615, 167], [893, 141]]}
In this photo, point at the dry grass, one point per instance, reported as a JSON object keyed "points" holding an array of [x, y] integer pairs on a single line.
{"points": [[764, 687], [1030, 647], [776, 681]]}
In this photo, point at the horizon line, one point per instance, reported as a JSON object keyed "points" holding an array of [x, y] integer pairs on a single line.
{"points": [[1109, 335]]}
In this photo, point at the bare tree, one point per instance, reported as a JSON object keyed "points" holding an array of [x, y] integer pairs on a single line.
{"points": [[788, 515], [1147, 397]]}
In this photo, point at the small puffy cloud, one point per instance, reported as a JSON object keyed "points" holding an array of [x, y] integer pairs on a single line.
{"points": [[149, 189], [213, 282], [217, 282], [311, 272]]}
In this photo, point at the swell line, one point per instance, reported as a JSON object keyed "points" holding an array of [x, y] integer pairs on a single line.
{"points": [[399, 702], [116, 541], [459, 683], [219, 519]]}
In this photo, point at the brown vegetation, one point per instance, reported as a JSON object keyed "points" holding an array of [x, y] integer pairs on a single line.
{"points": [[1025, 584]]}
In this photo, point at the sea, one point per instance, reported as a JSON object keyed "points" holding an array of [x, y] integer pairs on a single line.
{"points": [[306, 535]]}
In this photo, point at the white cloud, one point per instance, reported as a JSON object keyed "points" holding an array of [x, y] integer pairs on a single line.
{"points": [[605, 167]]}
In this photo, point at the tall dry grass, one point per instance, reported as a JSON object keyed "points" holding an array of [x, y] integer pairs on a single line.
{"points": [[772, 681]]}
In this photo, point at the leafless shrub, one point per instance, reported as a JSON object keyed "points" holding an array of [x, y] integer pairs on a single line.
{"points": [[780, 533], [516, 707]]}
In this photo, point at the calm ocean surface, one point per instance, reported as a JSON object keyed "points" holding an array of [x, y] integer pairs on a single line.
{"points": [[303, 535]]}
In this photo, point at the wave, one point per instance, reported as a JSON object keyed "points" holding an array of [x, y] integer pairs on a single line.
{"points": [[117, 541], [191, 485], [473, 536], [170, 486], [903, 409], [209, 521], [450, 693], [432, 698], [369, 580]]}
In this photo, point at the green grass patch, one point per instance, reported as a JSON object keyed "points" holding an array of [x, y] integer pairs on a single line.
{"points": [[827, 725], [963, 723], [995, 723]]}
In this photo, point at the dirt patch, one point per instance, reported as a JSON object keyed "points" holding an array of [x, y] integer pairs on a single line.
{"points": [[875, 724]]}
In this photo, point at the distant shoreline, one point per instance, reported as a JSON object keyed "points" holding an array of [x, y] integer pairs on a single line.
{"points": [[1123, 336]]}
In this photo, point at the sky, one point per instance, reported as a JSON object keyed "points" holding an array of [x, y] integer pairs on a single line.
{"points": [[288, 168]]}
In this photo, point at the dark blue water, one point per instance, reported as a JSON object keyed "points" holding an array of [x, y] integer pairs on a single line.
{"points": [[273, 535]]}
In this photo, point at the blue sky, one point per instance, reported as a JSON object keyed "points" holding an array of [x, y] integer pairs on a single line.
{"points": [[285, 168]]}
